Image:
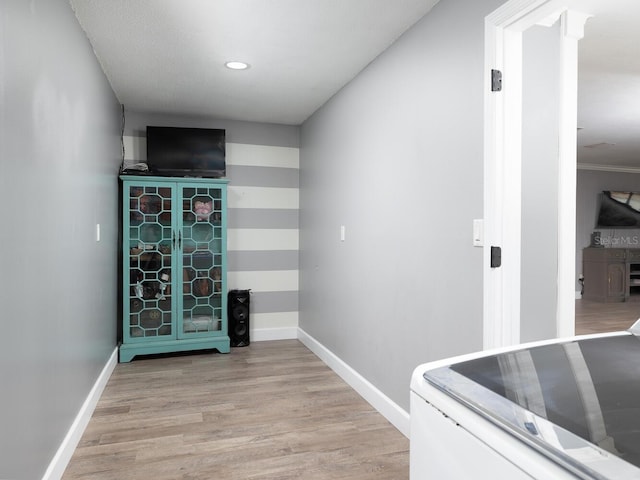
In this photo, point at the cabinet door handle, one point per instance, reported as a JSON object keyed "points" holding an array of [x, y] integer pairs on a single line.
{"points": [[174, 239], [179, 239]]}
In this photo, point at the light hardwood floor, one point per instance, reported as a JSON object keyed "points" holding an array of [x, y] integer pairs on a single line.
{"points": [[594, 317], [272, 410]]}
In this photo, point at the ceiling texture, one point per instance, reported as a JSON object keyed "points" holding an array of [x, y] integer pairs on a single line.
{"points": [[168, 56]]}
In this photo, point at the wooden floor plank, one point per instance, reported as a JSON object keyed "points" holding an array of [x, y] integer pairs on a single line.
{"points": [[272, 410], [596, 317]]}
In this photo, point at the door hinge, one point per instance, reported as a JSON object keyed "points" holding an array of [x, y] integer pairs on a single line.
{"points": [[496, 257], [496, 81]]}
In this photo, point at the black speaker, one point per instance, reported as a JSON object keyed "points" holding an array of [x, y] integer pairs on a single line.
{"points": [[238, 315]]}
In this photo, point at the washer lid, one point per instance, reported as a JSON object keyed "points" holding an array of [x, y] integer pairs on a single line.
{"points": [[577, 402]]}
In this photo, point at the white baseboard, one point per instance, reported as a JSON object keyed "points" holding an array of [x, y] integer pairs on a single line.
{"points": [[398, 417], [281, 333], [67, 447]]}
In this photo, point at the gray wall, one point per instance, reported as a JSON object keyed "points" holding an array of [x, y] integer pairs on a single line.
{"points": [[397, 158], [59, 155], [540, 144]]}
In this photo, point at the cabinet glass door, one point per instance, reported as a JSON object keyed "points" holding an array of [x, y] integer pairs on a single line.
{"points": [[202, 249], [150, 242]]}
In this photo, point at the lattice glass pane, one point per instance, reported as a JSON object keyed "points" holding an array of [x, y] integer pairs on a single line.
{"points": [[202, 267], [150, 247]]}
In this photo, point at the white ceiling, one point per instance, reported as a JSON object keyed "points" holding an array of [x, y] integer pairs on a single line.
{"points": [[609, 85], [168, 56]]}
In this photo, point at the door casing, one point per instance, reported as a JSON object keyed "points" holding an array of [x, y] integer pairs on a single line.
{"points": [[502, 164]]}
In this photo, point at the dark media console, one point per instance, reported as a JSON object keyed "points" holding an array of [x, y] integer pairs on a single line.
{"points": [[611, 274]]}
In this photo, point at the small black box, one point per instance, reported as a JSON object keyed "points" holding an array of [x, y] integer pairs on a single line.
{"points": [[238, 315]]}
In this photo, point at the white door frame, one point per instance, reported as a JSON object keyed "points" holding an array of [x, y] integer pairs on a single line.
{"points": [[502, 164]]}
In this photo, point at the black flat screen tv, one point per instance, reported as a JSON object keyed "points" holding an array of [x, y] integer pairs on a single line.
{"points": [[619, 210], [186, 152]]}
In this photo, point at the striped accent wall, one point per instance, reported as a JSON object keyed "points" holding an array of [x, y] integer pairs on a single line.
{"points": [[262, 238]]}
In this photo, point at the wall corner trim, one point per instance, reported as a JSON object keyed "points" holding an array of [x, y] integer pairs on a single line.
{"points": [[67, 447], [396, 415]]}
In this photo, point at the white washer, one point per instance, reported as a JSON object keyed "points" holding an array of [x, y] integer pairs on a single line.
{"points": [[561, 409]]}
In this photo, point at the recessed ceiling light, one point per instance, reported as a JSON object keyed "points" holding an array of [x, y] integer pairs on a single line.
{"points": [[237, 65]]}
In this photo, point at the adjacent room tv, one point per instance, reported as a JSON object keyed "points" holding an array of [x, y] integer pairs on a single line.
{"points": [[619, 210], [186, 152]]}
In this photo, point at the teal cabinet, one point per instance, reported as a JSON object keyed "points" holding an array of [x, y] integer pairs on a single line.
{"points": [[174, 265]]}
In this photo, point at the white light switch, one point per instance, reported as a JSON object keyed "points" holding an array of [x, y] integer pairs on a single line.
{"points": [[343, 232], [97, 232], [478, 232]]}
